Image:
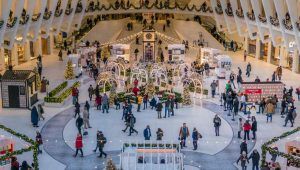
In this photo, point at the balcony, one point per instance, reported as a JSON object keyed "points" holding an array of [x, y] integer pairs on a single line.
{"points": [[35, 17], [218, 9], [251, 16], [11, 22], [24, 19], [47, 15], [239, 13], [262, 19], [287, 24], [228, 11], [274, 21], [68, 11]]}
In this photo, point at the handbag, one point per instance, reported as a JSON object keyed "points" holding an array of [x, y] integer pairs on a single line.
{"points": [[199, 135]]}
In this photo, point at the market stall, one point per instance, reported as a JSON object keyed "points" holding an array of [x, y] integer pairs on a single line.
{"points": [[255, 91], [121, 51], [176, 53], [209, 55], [223, 68], [6, 146], [293, 148], [76, 64]]}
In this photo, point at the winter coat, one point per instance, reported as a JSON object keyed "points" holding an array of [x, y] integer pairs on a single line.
{"points": [[153, 102], [98, 100], [139, 100], [240, 125], [182, 134], [34, 116], [78, 142], [244, 160], [159, 135], [104, 99], [247, 126], [79, 122], [195, 135], [39, 139], [132, 121], [167, 103], [270, 108], [159, 107], [254, 126], [102, 141], [236, 106], [217, 122], [147, 133], [244, 147], [255, 157], [85, 115]]}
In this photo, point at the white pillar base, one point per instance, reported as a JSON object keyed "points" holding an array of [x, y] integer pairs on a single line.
{"points": [[295, 67], [269, 52], [257, 52]]}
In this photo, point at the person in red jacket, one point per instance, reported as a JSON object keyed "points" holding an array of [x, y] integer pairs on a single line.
{"points": [[247, 127], [78, 145], [98, 102], [14, 163]]}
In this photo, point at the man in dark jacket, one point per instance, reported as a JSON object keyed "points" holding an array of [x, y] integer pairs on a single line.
{"points": [[236, 104], [132, 121], [254, 128], [290, 116], [244, 147], [255, 159], [167, 110], [101, 143], [79, 123], [217, 124], [147, 133]]}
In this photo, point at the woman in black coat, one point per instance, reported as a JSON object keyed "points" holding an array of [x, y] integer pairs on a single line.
{"points": [[254, 127]]}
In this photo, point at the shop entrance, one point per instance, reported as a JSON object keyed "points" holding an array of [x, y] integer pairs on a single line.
{"points": [[46, 46], [14, 100]]}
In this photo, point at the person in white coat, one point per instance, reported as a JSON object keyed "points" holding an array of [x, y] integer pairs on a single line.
{"points": [[86, 118]]}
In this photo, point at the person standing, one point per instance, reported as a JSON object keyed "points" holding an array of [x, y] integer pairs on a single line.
{"points": [[247, 127], [279, 73], [77, 109], [159, 134], [255, 159], [105, 101], [217, 124], [34, 117], [213, 87], [60, 55], [167, 105], [196, 135], [159, 107], [172, 104], [290, 116], [245, 55], [98, 102], [139, 102], [248, 70], [270, 110], [39, 141], [14, 164], [183, 134], [145, 101], [41, 112], [91, 92], [40, 66], [147, 133], [86, 118], [240, 126], [97, 139], [79, 123], [231, 78], [78, 145], [244, 160], [132, 121], [101, 143], [243, 147], [236, 104], [254, 127]]}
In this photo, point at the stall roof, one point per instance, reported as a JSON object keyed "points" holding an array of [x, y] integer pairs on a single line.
{"points": [[17, 75]]}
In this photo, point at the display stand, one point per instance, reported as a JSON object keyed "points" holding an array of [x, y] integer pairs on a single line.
{"points": [[293, 148], [76, 63], [176, 53], [121, 51], [223, 68], [209, 55], [6, 146]]}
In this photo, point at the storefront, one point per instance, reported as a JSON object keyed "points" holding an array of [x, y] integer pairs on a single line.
{"points": [[263, 50]]}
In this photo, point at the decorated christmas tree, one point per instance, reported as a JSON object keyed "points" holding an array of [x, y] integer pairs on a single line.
{"points": [[112, 95], [110, 165], [38, 78], [186, 96], [69, 72], [150, 90]]}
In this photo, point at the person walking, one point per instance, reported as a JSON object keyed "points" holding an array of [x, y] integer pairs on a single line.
{"points": [[240, 126], [195, 136], [217, 124], [236, 104], [244, 160], [86, 118], [60, 55], [132, 121], [34, 117], [39, 141], [79, 123], [270, 109], [213, 87], [290, 116], [41, 112], [147, 133], [105, 101], [98, 102], [91, 92], [243, 147], [25, 166], [78, 145], [283, 107], [145, 101], [97, 140], [167, 105], [172, 105], [247, 127], [101, 143], [248, 70], [159, 107], [245, 55], [255, 159], [159, 134], [77, 109], [254, 127], [183, 134], [14, 164], [139, 102], [231, 78]]}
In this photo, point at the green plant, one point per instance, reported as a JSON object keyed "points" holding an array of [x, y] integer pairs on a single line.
{"points": [[58, 89], [62, 96], [33, 147]]}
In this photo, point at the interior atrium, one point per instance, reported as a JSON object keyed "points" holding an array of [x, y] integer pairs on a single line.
{"points": [[149, 84]]}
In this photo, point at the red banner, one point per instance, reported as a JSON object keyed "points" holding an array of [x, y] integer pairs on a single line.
{"points": [[253, 91]]}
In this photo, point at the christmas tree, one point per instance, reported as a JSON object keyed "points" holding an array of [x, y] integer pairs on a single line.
{"points": [[112, 95], [37, 78], [186, 96], [69, 72], [110, 165], [150, 90]]}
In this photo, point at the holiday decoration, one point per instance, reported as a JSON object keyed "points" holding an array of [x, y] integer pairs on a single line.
{"points": [[110, 165], [150, 90], [112, 95], [38, 79], [186, 96], [69, 72], [63, 95]]}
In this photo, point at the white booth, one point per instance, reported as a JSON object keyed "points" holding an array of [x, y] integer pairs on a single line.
{"points": [[6, 146], [176, 53], [209, 55], [76, 63], [121, 51], [223, 68]]}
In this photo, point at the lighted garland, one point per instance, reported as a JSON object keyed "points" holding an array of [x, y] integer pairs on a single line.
{"points": [[47, 15], [12, 22], [33, 147], [58, 13], [36, 17], [69, 11], [266, 148], [24, 20]]}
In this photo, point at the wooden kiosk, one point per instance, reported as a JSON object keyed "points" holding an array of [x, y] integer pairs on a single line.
{"points": [[18, 89]]}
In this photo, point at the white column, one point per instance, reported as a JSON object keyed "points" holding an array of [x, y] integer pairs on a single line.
{"points": [[2, 59], [38, 47], [257, 53], [282, 55], [27, 50], [295, 67], [246, 44], [51, 37], [269, 52], [14, 55]]}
